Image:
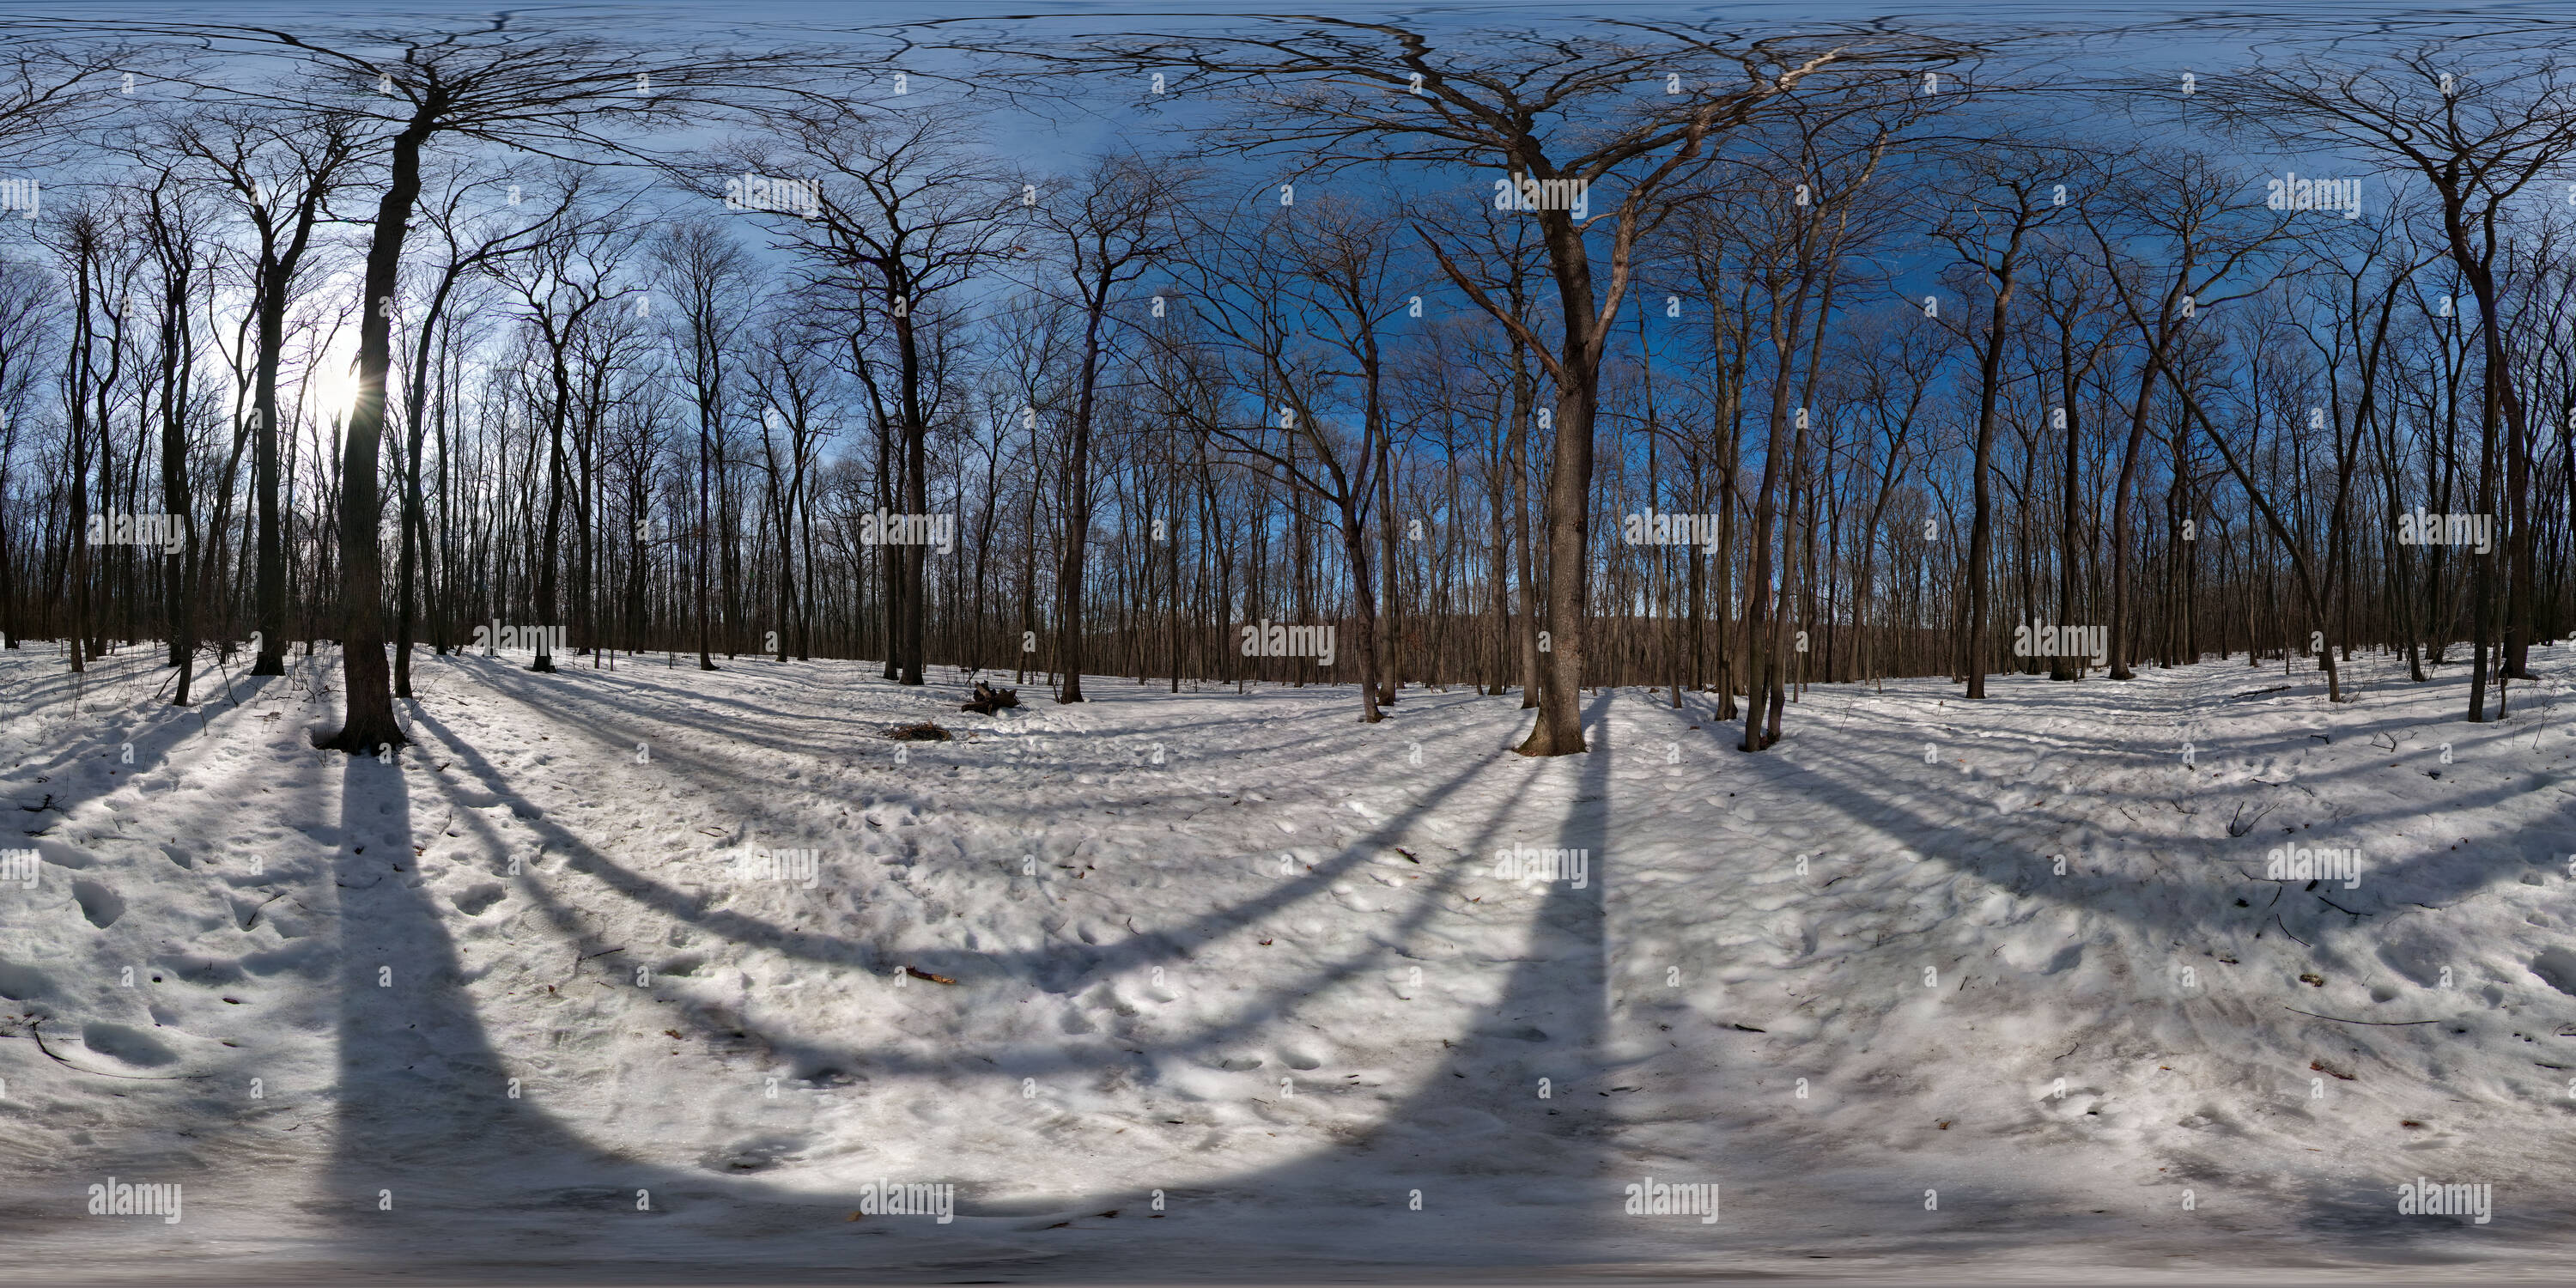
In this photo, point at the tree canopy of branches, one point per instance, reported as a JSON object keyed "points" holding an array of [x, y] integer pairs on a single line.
{"points": [[1391, 353]]}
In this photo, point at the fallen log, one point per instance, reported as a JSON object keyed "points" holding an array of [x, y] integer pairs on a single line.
{"points": [[988, 699]]}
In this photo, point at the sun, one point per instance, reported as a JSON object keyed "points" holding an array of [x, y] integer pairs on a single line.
{"points": [[331, 388]]}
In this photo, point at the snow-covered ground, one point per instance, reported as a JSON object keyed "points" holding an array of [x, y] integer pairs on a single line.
{"points": [[1248, 953]]}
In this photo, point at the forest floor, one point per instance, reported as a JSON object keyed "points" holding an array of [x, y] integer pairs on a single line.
{"points": [[1212, 984]]}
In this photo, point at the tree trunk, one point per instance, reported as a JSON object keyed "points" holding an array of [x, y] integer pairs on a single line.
{"points": [[365, 680]]}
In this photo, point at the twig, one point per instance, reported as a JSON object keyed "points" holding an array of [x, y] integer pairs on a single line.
{"points": [[34, 1030], [2391, 1024], [2239, 825], [2285, 929], [263, 907]]}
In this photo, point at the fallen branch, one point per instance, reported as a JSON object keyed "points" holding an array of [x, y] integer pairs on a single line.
{"points": [[35, 1031], [2285, 929], [989, 699], [2392, 1024], [2239, 825]]}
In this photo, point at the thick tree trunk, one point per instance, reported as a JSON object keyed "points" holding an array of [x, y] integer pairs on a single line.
{"points": [[271, 614], [913, 560], [1388, 660], [1523, 553], [2064, 667], [1077, 518], [178, 567], [1559, 730], [1355, 549], [706, 614], [1981, 534], [2121, 499], [365, 680]]}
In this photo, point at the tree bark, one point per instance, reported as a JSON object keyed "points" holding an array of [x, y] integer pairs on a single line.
{"points": [[365, 678]]}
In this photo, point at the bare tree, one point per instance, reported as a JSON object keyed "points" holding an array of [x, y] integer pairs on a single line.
{"points": [[708, 281], [565, 279], [907, 209], [1560, 115], [2479, 132], [1111, 228], [490, 82], [279, 170], [2000, 196]]}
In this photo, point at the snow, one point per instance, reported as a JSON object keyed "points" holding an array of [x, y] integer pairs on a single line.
{"points": [[1251, 953]]}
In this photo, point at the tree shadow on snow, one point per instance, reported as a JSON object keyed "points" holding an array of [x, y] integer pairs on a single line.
{"points": [[429, 1141]]}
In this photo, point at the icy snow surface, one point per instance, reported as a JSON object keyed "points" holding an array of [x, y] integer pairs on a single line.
{"points": [[1255, 955]]}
